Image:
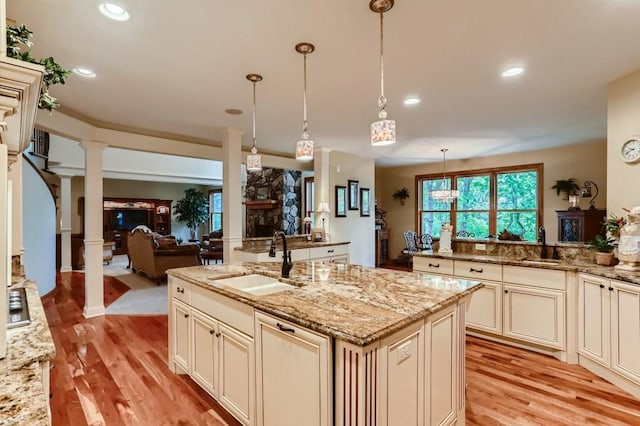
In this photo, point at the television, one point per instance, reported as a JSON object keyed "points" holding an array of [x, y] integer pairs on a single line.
{"points": [[127, 219]]}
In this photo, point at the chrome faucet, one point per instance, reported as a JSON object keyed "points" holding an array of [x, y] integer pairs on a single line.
{"points": [[287, 264], [542, 238]]}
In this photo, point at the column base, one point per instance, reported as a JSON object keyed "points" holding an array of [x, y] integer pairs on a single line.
{"points": [[94, 311]]}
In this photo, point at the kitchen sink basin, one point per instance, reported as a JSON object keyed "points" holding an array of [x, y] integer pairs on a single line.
{"points": [[256, 284], [541, 262]]}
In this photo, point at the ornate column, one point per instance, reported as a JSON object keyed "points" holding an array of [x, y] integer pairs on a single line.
{"points": [[93, 205], [231, 191], [65, 223]]}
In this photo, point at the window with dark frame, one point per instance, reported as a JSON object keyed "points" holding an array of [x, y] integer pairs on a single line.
{"points": [[215, 209], [490, 201]]}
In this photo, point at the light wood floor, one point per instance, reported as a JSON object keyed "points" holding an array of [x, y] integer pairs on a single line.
{"points": [[112, 370]]}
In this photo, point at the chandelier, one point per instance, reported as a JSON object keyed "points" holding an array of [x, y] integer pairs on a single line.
{"points": [[254, 160], [443, 194]]}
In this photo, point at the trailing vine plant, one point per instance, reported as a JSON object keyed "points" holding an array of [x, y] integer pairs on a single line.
{"points": [[19, 47]]}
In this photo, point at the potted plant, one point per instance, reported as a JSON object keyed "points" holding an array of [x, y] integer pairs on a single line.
{"points": [[192, 209], [401, 195], [604, 246], [566, 186]]}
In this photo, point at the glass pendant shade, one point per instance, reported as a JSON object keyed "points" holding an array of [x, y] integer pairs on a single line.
{"points": [[304, 149], [254, 161], [383, 132]]}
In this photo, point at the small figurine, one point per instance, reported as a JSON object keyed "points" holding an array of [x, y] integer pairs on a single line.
{"points": [[629, 247], [445, 238]]}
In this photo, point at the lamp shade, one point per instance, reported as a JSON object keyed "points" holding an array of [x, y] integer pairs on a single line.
{"points": [[323, 208], [254, 161], [304, 150], [383, 132]]}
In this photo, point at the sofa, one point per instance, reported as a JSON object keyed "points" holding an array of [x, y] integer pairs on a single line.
{"points": [[152, 253]]}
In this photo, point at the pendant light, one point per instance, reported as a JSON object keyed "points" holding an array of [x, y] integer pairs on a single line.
{"points": [[445, 195], [304, 147], [383, 131], [254, 160]]}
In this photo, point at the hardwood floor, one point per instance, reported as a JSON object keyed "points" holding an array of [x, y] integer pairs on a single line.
{"points": [[112, 370]]}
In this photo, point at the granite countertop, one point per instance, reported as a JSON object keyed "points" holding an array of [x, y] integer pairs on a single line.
{"points": [[293, 246], [357, 304], [589, 268], [22, 397]]}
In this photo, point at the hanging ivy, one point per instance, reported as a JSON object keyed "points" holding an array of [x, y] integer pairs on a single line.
{"points": [[19, 47]]}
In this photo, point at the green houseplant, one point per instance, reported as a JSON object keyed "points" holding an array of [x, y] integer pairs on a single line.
{"points": [[192, 209], [566, 186], [19, 47], [401, 195], [604, 246]]}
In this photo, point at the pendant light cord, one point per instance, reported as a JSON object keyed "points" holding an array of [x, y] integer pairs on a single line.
{"points": [[382, 100], [305, 124], [254, 114], [444, 161]]}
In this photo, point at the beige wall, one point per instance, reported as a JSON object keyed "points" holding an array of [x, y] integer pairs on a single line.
{"points": [[135, 189], [623, 123], [585, 161], [360, 231]]}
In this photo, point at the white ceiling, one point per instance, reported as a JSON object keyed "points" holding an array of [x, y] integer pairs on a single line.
{"points": [[175, 66]]}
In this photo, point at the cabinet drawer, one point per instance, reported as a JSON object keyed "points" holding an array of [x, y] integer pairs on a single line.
{"points": [[328, 251], [179, 289], [477, 270], [224, 309], [539, 277], [433, 264]]}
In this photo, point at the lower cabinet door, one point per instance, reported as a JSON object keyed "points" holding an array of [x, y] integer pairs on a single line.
{"points": [[180, 314], [625, 330], [534, 314], [292, 374], [441, 368], [204, 356], [594, 318], [236, 386], [485, 308]]}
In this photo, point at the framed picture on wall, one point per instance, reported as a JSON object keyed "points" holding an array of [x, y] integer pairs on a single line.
{"points": [[353, 194], [341, 201], [365, 203]]}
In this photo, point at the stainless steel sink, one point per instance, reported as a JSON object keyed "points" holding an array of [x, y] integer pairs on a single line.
{"points": [[256, 284]]}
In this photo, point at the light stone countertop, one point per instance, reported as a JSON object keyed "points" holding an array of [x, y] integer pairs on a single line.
{"points": [[589, 268], [291, 246], [22, 398], [357, 304]]}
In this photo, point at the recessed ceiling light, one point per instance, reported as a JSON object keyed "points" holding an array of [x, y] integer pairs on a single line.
{"points": [[411, 100], [233, 111], [113, 11], [512, 72], [84, 72]]}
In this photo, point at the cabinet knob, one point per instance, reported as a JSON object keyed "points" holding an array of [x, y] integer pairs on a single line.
{"points": [[610, 288], [601, 285], [506, 291], [476, 270], [434, 265], [285, 328], [186, 315], [330, 251], [218, 334], [211, 332], [179, 290]]}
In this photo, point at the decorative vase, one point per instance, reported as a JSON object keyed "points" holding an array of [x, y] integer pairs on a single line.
{"points": [[604, 259]]}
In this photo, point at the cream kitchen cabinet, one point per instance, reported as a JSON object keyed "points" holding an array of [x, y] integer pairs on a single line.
{"points": [[293, 374], [211, 341], [442, 267], [338, 253], [609, 330], [485, 307]]}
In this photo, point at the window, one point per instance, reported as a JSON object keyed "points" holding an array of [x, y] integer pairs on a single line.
{"points": [[490, 201], [215, 209]]}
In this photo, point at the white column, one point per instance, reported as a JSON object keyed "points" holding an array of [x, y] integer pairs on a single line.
{"points": [[15, 177], [93, 206], [321, 172], [65, 223], [231, 192]]}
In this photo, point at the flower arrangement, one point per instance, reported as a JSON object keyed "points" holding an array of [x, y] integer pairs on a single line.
{"points": [[613, 224]]}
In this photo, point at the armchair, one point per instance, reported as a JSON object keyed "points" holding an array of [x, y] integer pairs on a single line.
{"points": [[212, 248], [414, 243], [153, 254]]}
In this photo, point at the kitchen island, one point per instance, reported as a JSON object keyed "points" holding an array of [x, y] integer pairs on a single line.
{"points": [[331, 344]]}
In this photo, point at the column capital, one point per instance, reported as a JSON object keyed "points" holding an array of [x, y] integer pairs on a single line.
{"points": [[93, 145], [229, 133]]}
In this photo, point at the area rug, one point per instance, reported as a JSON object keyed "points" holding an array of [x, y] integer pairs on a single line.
{"points": [[145, 296]]}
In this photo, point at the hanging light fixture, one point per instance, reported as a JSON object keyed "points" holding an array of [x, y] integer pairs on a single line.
{"points": [[304, 147], [443, 194], [383, 131], [254, 160]]}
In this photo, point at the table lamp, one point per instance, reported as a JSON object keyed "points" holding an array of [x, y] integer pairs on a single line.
{"points": [[322, 209]]}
